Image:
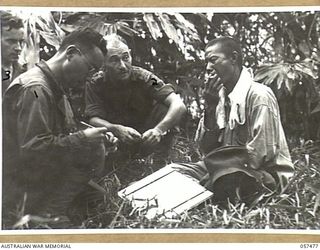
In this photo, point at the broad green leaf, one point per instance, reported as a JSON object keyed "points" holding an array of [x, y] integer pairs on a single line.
{"points": [[168, 28], [153, 26], [30, 53], [289, 84], [304, 48], [306, 68], [285, 74], [280, 80], [104, 29], [263, 72], [125, 28], [112, 29], [51, 39], [186, 26], [50, 31]]}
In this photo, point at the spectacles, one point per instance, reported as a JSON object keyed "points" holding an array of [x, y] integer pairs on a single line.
{"points": [[92, 68]]}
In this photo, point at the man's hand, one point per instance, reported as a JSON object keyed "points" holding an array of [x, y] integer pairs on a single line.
{"points": [[213, 84], [95, 133], [111, 139], [111, 142], [151, 137], [126, 134]]}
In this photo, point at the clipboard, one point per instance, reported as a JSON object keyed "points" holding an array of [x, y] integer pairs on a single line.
{"points": [[165, 193]]}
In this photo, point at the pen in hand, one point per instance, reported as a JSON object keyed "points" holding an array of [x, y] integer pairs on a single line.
{"points": [[86, 124], [109, 136]]}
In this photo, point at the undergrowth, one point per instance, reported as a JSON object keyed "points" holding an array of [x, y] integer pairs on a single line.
{"points": [[297, 207]]}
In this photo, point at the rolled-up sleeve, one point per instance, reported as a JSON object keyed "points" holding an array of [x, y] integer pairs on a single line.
{"points": [[159, 90], [156, 87]]}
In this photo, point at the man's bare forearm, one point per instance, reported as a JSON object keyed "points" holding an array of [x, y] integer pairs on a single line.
{"points": [[99, 122], [175, 112]]}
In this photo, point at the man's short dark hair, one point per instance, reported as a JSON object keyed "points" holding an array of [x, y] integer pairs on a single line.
{"points": [[9, 21], [86, 38], [229, 44]]}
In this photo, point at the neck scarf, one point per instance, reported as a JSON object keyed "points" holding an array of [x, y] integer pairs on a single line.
{"points": [[63, 104], [237, 99]]}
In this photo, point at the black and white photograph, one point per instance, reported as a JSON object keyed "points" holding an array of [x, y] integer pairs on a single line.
{"points": [[160, 118]]}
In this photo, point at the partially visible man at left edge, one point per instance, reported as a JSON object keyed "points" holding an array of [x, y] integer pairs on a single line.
{"points": [[44, 157], [12, 37]]}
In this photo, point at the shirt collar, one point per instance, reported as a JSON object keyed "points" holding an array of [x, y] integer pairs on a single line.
{"points": [[62, 99], [54, 83]]}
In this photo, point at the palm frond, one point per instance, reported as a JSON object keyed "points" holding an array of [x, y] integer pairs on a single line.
{"points": [[285, 74]]}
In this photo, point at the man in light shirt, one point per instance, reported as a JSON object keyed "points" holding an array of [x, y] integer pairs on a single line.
{"points": [[240, 132]]}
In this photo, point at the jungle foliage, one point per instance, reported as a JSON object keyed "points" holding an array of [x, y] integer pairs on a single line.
{"points": [[283, 51]]}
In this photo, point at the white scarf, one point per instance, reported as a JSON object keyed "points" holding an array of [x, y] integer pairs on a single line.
{"points": [[238, 105], [237, 99]]}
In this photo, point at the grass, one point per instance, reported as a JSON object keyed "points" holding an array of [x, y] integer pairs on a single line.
{"points": [[297, 207]]}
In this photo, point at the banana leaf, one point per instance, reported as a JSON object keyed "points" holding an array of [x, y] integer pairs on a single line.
{"points": [[153, 26], [168, 27]]}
